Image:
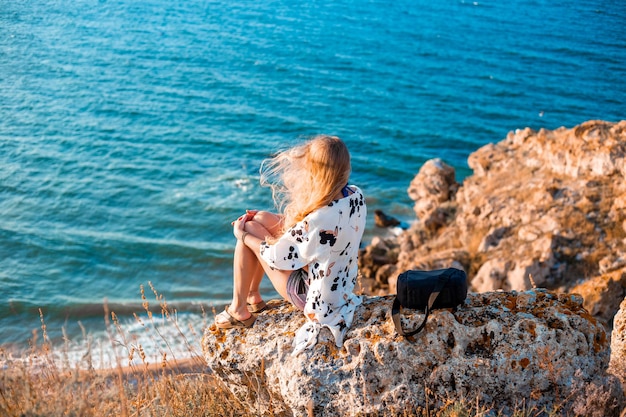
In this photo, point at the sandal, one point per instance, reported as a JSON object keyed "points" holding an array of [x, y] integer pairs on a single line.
{"points": [[229, 322], [257, 307]]}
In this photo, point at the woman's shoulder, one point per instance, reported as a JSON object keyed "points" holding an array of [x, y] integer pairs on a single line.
{"points": [[356, 189], [355, 195], [353, 192], [332, 206], [337, 205]]}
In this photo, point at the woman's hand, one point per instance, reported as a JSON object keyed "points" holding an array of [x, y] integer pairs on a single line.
{"points": [[239, 226]]}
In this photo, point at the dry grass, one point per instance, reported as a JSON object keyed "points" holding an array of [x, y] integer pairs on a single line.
{"points": [[46, 391], [38, 383]]}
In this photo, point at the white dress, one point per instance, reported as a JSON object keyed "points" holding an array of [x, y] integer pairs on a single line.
{"points": [[327, 241]]}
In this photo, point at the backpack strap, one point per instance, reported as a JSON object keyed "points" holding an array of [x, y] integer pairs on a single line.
{"points": [[395, 309]]}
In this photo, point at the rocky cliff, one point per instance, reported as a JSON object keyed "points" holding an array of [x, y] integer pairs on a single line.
{"points": [[542, 208]]}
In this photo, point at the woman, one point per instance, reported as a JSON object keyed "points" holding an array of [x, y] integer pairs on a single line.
{"points": [[309, 252]]}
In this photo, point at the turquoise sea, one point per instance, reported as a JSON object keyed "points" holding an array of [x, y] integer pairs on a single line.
{"points": [[131, 132]]}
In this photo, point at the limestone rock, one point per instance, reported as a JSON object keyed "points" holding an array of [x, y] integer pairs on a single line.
{"points": [[543, 208], [382, 219], [380, 254], [603, 293], [618, 345], [434, 184], [496, 350]]}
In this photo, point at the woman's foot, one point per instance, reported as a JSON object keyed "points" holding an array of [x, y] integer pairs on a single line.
{"points": [[255, 302], [257, 307], [225, 320]]}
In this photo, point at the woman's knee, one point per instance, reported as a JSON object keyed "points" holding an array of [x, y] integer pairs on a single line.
{"points": [[270, 221]]}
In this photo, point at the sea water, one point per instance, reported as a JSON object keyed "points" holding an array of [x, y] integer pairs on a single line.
{"points": [[131, 133]]}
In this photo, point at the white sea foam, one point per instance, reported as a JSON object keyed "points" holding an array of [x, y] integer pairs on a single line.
{"points": [[143, 341]]}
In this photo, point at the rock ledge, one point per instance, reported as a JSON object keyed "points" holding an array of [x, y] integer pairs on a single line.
{"points": [[498, 349]]}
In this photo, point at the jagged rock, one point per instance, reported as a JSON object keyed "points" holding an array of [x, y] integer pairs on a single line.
{"points": [[434, 184], [617, 365], [380, 253], [550, 205], [499, 349], [550, 195], [491, 275], [603, 293], [382, 219]]}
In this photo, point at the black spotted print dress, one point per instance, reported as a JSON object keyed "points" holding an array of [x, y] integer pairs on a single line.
{"points": [[327, 242]]}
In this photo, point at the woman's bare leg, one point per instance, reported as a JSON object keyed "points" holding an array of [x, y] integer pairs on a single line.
{"points": [[262, 225], [248, 267], [245, 272], [254, 294]]}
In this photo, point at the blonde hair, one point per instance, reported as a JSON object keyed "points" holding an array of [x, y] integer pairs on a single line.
{"points": [[306, 177]]}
